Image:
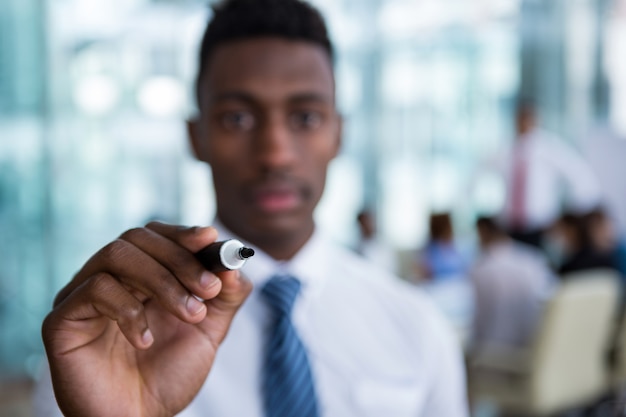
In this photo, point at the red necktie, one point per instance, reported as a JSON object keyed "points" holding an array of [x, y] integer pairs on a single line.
{"points": [[518, 190]]}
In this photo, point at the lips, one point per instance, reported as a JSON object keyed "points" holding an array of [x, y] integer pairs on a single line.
{"points": [[276, 198]]}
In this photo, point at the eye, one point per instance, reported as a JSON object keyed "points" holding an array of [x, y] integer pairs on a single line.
{"points": [[305, 120], [238, 120]]}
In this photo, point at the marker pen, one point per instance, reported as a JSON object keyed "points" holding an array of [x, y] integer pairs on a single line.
{"points": [[224, 256]]}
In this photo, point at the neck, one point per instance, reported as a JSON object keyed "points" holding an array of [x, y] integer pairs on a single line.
{"points": [[281, 248], [280, 245]]}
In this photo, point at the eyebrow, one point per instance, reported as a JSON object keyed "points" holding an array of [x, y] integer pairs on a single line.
{"points": [[310, 97], [304, 97], [232, 95]]}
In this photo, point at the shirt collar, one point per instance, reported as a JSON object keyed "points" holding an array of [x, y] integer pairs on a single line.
{"points": [[310, 265]]}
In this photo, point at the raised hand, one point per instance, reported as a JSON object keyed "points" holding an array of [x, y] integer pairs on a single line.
{"points": [[127, 337]]}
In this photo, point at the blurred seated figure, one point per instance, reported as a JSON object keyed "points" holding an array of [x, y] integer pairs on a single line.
{"points": [[581, 242], [440, 269], [440, 259], [369, 244], [511, 281], [606, 238]]}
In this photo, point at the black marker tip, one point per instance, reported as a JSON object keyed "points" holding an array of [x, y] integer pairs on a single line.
{"points": [[246, 253]]}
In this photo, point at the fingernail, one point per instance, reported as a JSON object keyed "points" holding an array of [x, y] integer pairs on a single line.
{"points": [[146, 337], [207, 280], [194, 306]]}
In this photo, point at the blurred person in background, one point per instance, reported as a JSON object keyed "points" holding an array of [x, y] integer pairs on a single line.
{"points": [[441, 271], [440, 259], [606, 237], [605, 149], [511, 282], [580, 242], [371, 246], [542, 175], [128, 337]]}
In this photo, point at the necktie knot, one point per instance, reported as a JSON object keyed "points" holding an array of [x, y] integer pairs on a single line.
{"points": [[280, 293]]}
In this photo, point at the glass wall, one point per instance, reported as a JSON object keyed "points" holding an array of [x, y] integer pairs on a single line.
{"points": [[93, 95], [25, 248]]}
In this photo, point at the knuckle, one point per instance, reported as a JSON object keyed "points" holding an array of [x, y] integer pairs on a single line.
{"points": [[181, 265], [153, 224], [133, 234], [133, 312], [112, 250], [168, 290], [198, 231], [194, 230], [99, 283], [162, 283], [46, 326]]}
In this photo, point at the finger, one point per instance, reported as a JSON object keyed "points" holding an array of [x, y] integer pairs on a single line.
{"points": [[235, 289], [222, 309], [142, 275], [179, 261], [100, 296], [192, 238], [140, 272]]}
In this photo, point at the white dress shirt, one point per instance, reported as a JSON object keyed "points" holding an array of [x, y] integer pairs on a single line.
{"points": [[379, 253], [606, 154], [377, 346], [556, 176], [511, 282]]}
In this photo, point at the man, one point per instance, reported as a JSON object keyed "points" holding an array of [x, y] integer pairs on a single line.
{"points": [[127, 337], [511, 282], [542, 176]]}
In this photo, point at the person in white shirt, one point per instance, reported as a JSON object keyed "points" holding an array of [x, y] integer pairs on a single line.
{"points": [[371, 246], [543, 176], [128, 335], [511, 282]]}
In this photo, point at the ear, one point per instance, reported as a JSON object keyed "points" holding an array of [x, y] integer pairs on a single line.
{"points": [[195, 136], [338, 134]]}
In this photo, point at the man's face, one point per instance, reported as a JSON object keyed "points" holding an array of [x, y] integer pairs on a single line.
{"points": [[268, 128]]}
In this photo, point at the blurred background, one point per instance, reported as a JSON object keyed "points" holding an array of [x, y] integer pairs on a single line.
{"points": [[93, 95]]}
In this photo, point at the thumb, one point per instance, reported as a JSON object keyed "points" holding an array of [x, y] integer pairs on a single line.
{"points": [[222, 309]]}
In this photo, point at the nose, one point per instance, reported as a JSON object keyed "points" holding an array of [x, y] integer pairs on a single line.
{"points": [[275, 147]]}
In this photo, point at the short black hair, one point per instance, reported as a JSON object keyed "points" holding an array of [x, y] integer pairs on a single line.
{"points": [[440, 226], [579, 224], [240, 19]]}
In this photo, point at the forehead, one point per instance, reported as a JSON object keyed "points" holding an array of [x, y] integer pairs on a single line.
{"points": [[268, 68]]}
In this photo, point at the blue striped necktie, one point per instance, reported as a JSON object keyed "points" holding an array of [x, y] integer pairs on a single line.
{"points": [[287, 381]]}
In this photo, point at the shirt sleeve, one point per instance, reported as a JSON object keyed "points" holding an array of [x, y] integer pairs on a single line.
{"points": [[583, 190]]}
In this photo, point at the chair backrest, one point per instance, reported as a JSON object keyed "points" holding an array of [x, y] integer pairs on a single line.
{"points": [[618, 373], [569, 355]]}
